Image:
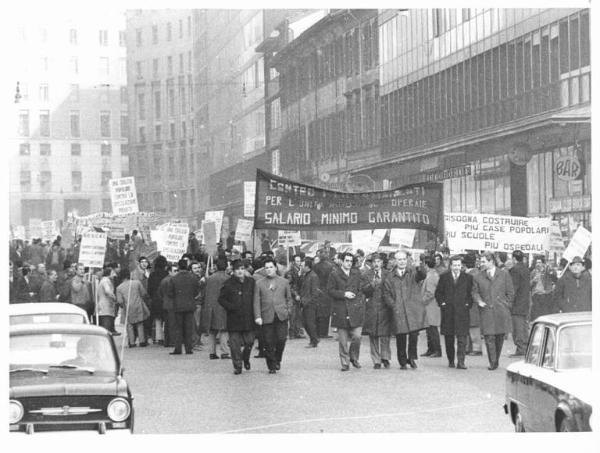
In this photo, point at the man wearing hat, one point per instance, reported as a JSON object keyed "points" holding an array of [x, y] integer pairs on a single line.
{"points": [[521, 305], [573, 291]]}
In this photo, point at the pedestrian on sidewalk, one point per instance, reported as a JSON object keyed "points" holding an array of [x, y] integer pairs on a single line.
{"points": [[182, 290], [521, 305], [272, 306], [237, 299], [213, 316], [573, 290], [494, 293], [131, 297], [454, 297], [158, 274], [432, 309], [294, 276], [309, 300], [107, 301]]}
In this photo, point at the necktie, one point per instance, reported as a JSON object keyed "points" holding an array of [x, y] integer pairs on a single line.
{"points": [[455, 277]]}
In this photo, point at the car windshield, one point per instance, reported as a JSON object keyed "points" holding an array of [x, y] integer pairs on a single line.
{"points": [[61, 352], [575, 347], [68, 318]]}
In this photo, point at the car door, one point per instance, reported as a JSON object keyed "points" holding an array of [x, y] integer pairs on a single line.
{"points": [[525, 391], [543, 393]]}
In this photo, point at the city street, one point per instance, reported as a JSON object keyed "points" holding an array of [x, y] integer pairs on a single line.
{"points": [[192, 394]]}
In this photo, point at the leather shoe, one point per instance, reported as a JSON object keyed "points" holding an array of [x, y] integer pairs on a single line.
{"points": [[144, 344], [278, 366], [272, 371], [310, 345], [355, 363], [412, 363], [189, 352], [475, 353], [492, 368], [435, 354], [247, 364], [461, 366], [225, 356], [451, 364], [345, 367], [175, 353], [377, 366], [427, 354], [237, 371], [213, 356], [403, 367], [386, 363]]}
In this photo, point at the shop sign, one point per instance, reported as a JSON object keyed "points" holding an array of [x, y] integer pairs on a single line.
{"points": [[570, 204], [567, 168], [520, 154]]}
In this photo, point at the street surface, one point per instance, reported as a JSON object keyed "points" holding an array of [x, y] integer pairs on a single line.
{"points": [[192, 394]]}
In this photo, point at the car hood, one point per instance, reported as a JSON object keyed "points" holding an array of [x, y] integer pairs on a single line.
{"points": [[59, 386]]}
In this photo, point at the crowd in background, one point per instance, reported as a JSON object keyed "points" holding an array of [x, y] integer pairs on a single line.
{"points": [[474, 299]]}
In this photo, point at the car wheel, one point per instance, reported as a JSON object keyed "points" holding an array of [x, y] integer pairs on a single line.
{"points": [[567, 425], [519, 426]]}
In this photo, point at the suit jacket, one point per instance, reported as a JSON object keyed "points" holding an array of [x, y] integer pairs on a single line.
{"points": [[403, 296], [272, 296], [183, 289], [237, 299], [521, 283], [378, 317], [455, 301], [348, 312], [309, 289], [498, 293], [213, 316]]}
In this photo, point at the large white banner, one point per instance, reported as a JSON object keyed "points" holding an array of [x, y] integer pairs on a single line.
{"points": [[497, 232], [49, 230], [217, 218], [366, 240], [579, 244], [249, 198], [289, 238], [92, 249], [243, 231], [402, 237], [175, 241], [123, 195], [35, 229], [210, 237]]}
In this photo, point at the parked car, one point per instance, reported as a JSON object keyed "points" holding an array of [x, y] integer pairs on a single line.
{"points": [[552, 388], [37, 312], [67, 377]]}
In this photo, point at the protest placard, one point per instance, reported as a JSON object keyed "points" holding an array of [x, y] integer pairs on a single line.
{"points": [[402, 237], [283, 203], [217, 218], [35, 228], [49, 230], [92, 249], [497, 232], [123, 195], [175, 238], [367, 240], [289, 238], [579, 244], [556, 243], [249, 198], [210, 237], [19, 232], [243, 231], [158, 236]]}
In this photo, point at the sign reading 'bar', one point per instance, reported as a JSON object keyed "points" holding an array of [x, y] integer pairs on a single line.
{"points": [[284, 204]]}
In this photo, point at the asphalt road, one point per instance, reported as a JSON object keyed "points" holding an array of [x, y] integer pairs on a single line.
{"points": [[192, 394]]}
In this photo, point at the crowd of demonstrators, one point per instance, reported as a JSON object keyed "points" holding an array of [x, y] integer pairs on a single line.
{"points": [[234, 299]]}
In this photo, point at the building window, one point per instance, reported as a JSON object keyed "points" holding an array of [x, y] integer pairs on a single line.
{"points": [[172, 131], [75, 123], [103, 67], [45, 181], [124, 150], [169, 31], [104, 94], [24, 123], [170, 65], [155, 68], [189, 61], [105, 177], [45, 149], [275, 114], [76, 181], [45, 123], [24, 149], [105, 124], [180, 63], [139, 72], [183, 130], [189, 25], [105, 149], [180, 28], [138, 37], [124, 125], [75, 149], [157, 105], [466, 14], [157, 132], [74, 93], [155, 34], [141, 106], [43, 93], [122, 40], [123, 95], [74, 65], [73, 36], [103, 38], [123, 69], [25, 180], [276, 162], [171, 100], [142, 134]]}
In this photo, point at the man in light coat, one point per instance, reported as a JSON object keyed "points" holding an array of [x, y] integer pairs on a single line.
{"points": [[214, 317], [107, 301], [272, 306], [494, 293], [434, 348]]}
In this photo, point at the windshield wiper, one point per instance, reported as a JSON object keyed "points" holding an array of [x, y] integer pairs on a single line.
{"points": [[74, 367], [34, 370]]}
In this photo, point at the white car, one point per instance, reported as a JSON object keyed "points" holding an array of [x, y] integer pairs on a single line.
{"points": [[552, 388], [46, 312]]}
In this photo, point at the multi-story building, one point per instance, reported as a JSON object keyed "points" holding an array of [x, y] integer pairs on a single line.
{"points": [[161, 100], [492, 102], [71, 110]]}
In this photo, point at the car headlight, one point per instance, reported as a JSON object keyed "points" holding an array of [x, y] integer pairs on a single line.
{"points": [[118, 409], [15, 411]]}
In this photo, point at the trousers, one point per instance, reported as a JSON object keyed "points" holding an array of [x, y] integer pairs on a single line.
{"points": [[274, 336], [221, 337], [461, 347], [108, 322], [493, 344], [138, 328], [240, 344], [295, 320], [401, 350], [183, 328], [433, 339], [309, 313], [380, 348], [323, 326], [349, 344], [519, 333], [475, 339]]}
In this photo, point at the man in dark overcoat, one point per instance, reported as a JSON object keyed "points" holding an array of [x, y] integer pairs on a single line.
{"points": [[183, 289], [237, 299], [453, 295], [378, 316], [521, 306], [213, 318], [323, 269], [309, 300], [347, 287]]}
